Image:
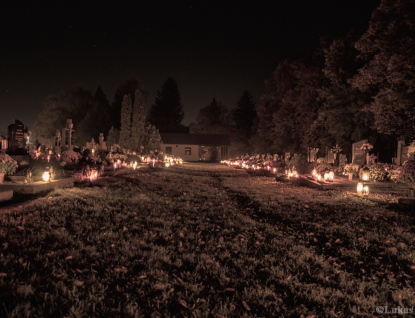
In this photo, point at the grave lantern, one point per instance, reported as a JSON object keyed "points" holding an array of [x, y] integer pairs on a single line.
{"points": [[46, 175], [365, 174], [329, 176], [362, 189], [93, 175]]}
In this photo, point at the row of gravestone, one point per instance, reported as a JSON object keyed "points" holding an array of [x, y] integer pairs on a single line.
{"points": [[17, 137], [330, 157]]}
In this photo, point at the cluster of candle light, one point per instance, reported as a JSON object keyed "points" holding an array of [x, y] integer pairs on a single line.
{"points": [[249, 165], [171, 161], [362, 189], [326, 176], [291, 174]]}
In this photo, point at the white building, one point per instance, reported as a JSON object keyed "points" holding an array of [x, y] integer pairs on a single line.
{"points": [[192, 147]]}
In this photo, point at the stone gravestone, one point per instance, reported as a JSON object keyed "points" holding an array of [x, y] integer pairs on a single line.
{"points": [[102, 143], [402, 154], [330, 157], [68, 136], [16, 137], [312, 154], [3, 144], [358, 155], [57, 142], [342, 159]]}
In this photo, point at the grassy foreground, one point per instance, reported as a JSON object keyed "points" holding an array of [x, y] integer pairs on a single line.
{"points": [[204, 240]]}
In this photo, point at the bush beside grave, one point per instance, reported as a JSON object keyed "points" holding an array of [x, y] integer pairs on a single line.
{"points": [[407, 174], [7, 164], [70, 156], [322, 168], [378, 171]]}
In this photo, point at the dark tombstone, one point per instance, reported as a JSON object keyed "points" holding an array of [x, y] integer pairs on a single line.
{"points": [[358, 155], [342, 159], [330, 157], [16, 136]]}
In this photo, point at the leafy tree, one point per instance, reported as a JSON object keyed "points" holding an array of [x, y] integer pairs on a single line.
{"points": [[129, 87], [167, 111], [138, 120], [151, 138], [125, 131], [290, 105], [341, 118], [78, 104], [388, 48], [212, 119]]}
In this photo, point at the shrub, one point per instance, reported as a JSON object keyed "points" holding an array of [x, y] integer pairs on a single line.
{"points": [[7, 164], [322, 168], [379, 171], [395, 174], [70, 156]]}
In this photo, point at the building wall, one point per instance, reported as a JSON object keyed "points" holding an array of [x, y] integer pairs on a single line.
{"points": [[180, 151]]}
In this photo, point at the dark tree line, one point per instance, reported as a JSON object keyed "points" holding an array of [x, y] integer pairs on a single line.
{"points": [[356, 87]]}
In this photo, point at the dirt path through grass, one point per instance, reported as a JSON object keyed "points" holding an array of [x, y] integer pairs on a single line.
{"points": [[204, 240]]}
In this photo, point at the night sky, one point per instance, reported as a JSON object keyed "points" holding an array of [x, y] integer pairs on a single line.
{"points": [[211, 48]]}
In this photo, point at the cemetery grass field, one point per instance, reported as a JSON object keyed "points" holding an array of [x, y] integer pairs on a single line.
{"points": [[204, 240]]}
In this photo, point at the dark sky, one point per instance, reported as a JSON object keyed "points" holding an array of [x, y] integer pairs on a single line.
{"points": [[211, 48]]}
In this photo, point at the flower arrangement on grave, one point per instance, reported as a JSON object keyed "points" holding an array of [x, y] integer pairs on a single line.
{"points": [[38, 155], [351, 168], [378, 171], [366, 146], [94, 160], [407, 174], [336, 149], [7, 164], [339, 170], [323, 168], [411, 148], [70, 156], [321, 160]]}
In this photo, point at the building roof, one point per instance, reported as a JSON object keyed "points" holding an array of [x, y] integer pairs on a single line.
{"points": [[195, 139]]}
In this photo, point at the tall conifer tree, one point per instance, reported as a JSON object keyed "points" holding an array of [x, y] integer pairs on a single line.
{"points": [[167, 111], [138, 120], [125, 132], [244, 115]]}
